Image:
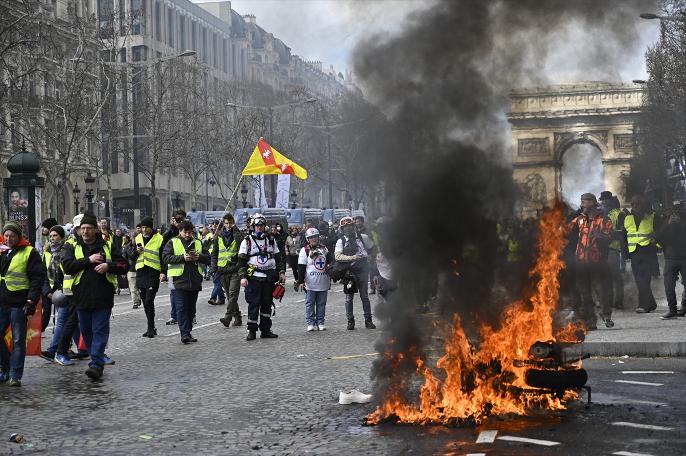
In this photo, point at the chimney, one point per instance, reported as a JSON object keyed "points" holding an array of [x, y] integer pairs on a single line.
{"points": [[250, 18]]}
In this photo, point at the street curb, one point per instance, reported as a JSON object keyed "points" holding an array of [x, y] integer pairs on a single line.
{"points": [[640, 349]]}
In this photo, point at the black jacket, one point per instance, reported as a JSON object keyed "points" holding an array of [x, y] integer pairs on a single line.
{"points": [[130, 254], [191, 279], [672, 238], [94, 291], [147, 277], [57, 273], [228, 238], [36, 272]]}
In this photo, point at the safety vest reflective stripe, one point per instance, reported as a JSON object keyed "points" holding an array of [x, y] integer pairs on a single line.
{"points": [[76, 279], [16, 278], [225, 254], [641, 235], [176, 269], [151, 252]]}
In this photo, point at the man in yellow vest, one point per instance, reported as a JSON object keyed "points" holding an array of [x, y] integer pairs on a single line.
{"points": [[639, 228], [611, 207], [21, 280], [150, 270], [183, 255], [225, 263], [92, 263]]}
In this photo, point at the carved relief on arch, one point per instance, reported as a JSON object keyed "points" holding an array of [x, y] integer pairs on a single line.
{"points": [[533, 147], [566, 139], [534, 188]]}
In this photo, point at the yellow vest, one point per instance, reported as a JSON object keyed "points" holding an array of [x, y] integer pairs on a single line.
{"points": [[176, 269], [16, 278], [151, 252], [70, 281], [614, 217], [47, 256], [643, 235], [225, 254]]}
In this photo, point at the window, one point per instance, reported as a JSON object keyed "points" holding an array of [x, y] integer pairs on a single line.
{"points": [[170, 27], [204, 44], [182, 33], [158, 21], [194, 40], [122, 17], [105, 16], [138, 17]]}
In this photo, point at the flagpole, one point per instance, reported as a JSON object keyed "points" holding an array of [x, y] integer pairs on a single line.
{"points": [[235, 190]]}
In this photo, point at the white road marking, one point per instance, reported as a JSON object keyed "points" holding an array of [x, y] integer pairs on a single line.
{"points": [[633, 382], [194, 328], [635, 401], [652, 427], [647, 372], [525, 440], [628, 453], [300, 300], [486, 437]]}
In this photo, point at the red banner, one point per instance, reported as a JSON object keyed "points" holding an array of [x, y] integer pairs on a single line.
{"points": [[33, 333]]}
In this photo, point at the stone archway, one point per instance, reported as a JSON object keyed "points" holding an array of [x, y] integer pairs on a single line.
{"points": [[549, 120]]}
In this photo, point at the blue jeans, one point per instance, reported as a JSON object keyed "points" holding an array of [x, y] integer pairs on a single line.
{"points": [[95, 327], [60, 321], [315, 307], [185, 309], [13, 362], [217, 291]]}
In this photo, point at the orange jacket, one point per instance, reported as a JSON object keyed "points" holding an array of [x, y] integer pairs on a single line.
{"points": [[595, 233]]}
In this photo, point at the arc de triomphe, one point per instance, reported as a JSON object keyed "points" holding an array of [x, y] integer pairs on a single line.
{"points": [[547, 121]]}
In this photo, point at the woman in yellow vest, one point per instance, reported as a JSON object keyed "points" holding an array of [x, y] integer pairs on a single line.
{"points": [[639, 229], [21, 280], [150, 270]]}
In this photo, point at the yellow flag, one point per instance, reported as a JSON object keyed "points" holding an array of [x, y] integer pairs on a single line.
{"points": [[267, 160]]}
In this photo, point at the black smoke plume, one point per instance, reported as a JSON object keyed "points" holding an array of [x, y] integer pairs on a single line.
{"points": [[443, 85]]}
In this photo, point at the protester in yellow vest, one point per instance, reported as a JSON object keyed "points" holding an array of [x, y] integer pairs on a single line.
{"points": [[183, 256], [225, 263], [639, 229], [610, 205], [149, 270], [21, 279], [93, 263]]}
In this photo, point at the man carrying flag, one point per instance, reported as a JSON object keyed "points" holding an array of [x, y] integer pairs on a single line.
{"points": [[21, 280]]}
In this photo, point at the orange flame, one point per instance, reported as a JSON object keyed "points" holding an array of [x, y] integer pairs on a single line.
{"points": [[479, 382]]}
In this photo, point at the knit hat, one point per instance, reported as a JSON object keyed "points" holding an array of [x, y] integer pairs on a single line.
{"points": [[12, 226], [89, 219], [48, 223], [147, 221], [58, 229], [605, 194], [589, 196], [77, 220]]}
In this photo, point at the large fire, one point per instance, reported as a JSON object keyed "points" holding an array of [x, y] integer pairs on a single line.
{"points": [[476, 382]]}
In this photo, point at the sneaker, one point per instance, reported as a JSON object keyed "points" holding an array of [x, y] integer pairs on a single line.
{"points": [[226, 321], [136, 306], [63, 360], [193, 339], [322, 328], [310, 328], [49, 356], [108, 361], [170, 322], [353, 397], [94, 373], [237, 321], [185, 340], [251, 335], [211, 302], [369, 324], [669, 315], [268, 335], [351, 324], [681, 312], [14, 382], [608, 322]]}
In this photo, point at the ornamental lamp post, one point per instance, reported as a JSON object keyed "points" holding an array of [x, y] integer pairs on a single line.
{"points": [[89, 180], [23, 191], [76, 190]]}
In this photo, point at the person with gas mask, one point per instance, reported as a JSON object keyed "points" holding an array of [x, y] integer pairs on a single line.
{"points": [[353, 248], [260, 265], [313, 265]]}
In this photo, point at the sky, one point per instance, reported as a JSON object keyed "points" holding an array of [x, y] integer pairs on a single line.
{"points": [[328, 30]]}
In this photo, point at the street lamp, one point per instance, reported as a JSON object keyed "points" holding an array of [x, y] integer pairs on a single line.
{"points": [[76, 190], [244, 196], [270, 111], [89, 180]]}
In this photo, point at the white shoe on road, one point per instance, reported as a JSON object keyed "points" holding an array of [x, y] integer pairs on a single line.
{"points": [[310, 327], [353, 396], [322, 328]]}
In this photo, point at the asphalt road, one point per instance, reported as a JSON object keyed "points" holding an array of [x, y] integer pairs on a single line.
{"points": [[224, 395]]}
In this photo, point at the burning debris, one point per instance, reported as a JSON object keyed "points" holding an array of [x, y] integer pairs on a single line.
{"points": [[514, 368]]}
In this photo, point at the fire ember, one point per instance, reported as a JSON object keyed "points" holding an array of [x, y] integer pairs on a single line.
{"points": [[515, 368]]}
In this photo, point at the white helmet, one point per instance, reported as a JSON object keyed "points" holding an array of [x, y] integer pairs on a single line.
{"points": [[258, 219], [311, 232]]}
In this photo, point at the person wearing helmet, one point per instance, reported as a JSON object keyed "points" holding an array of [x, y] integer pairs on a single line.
{"points": [[313, 265], [261, 264], [354, 248]]}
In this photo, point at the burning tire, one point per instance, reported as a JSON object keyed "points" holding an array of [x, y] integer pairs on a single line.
{"points": [[556, 379]]}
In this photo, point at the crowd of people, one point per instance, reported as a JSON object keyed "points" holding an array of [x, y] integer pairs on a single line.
{"points": [[75, 270]]}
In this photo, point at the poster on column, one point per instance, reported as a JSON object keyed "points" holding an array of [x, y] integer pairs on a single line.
{"points": [[283, 190], [259, 191]]}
